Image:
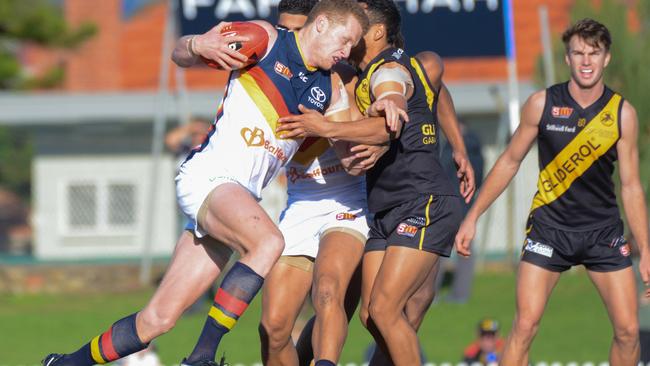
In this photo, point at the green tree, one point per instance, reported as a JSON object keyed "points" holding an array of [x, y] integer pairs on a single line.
{"points": [[40, 22], [628, 72], [16, 151]]}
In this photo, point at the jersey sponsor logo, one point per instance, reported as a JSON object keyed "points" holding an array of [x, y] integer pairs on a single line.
{"points": [[560, 128], [621, 243], [589, 145], [617, 241], [585, 153], [625, 250], [539, 248], [417, 221], [255, 138], [561, 112], [295, 175], [346, 216], [317, 97], [282, 70], [429, 132], [606, 119], [398, 53], [406, 230]]}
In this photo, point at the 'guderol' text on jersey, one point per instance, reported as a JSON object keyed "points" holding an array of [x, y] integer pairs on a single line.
{"points": [[577, 151]]}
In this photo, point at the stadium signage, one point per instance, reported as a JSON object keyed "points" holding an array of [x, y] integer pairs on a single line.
{"points": [[453, 28]]}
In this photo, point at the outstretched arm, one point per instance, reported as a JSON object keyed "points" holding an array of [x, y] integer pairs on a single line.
{"points": [[631, 190], [504, 169], [374, 130], [371, 130]]}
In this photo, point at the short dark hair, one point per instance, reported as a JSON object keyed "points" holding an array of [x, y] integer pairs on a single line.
{"points": [[594, 33], [338, 11], [298, 7], [387, 13]]}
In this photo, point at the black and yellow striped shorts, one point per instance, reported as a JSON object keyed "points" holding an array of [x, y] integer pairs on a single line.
{"points": [[428, 223]]}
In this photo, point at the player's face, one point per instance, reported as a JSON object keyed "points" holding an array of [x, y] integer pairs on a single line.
{"points": [[292, 22], [587, 62], [359, 51], [336, 41]]}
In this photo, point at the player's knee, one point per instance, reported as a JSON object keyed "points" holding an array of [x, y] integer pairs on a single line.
{"points": [[270, 246], [277, 331], [381, 312], [157, 322], [326, 292], [262, 255], [627, 334], [526, 326]]}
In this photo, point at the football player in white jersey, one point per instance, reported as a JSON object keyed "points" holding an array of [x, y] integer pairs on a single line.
{"points": [[226, 207]]}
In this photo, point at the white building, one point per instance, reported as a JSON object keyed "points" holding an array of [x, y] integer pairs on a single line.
{"points": [[92, 170]]}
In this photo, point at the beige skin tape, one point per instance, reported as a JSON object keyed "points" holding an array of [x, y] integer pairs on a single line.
{"points": [[393, 75]]}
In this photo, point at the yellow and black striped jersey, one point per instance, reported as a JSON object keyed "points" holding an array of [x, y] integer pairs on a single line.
{"points": [[577, 151], [411, 167]]}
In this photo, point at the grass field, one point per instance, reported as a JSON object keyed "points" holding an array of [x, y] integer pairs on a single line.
{"points": [[575, 327]]}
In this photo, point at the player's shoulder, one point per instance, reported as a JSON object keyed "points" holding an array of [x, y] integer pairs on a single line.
{"points": [[629, 119], [533, 108], [628, 110], [433, 66], [347, 73], [429, 59], [537, 100]]}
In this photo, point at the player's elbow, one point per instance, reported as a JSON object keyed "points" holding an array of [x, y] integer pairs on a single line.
{"points": [[180, 61], [631, 188], [510, 160]]}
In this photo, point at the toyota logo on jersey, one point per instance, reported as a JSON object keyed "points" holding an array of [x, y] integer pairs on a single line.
{"points": [[317, 97], [318, 94]]}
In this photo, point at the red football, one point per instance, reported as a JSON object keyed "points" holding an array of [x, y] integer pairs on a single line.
{"points": [[254, 48]]}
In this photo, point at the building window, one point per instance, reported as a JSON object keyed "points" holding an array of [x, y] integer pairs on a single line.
{"points": [[121, 204], [100, 208], [82, 206]]}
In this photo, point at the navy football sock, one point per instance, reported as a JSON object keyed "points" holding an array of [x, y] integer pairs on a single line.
{"points": [[237, 290], [120, 340]]}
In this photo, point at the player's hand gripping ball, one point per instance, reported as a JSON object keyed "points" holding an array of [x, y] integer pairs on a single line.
{"points": [[254, 48]]}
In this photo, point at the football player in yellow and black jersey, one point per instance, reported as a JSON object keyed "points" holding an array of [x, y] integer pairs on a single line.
{"points": [[582, 127], [417, 212]]}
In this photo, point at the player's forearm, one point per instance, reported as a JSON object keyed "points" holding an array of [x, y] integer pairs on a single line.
{"points": [[449, 122], [371, 131], [182, 54], [496, 182], [636, 214]]}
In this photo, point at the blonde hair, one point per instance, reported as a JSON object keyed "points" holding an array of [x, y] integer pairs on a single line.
{"points": [[338, 11]]}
